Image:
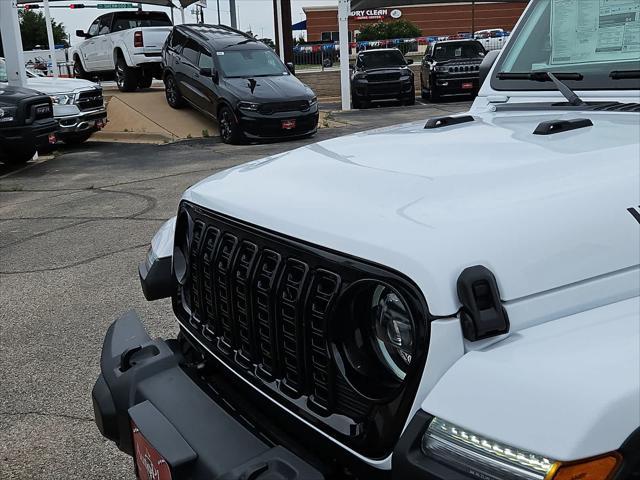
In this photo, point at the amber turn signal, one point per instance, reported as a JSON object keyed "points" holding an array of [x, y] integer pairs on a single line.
{"points": [[598, 468]]}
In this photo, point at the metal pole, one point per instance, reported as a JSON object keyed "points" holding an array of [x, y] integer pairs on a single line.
{"points": [[344, 8], [201, 14], [182, 14], [172, 20], [52, 45], [473, 18], [12, 42], [218, 5], [232, 10], [280, 29]]}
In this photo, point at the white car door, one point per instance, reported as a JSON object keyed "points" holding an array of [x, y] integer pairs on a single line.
{"points": [[88, 47], [104, 47]]}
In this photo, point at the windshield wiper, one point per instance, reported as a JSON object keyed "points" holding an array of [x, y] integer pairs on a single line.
{"points": [[624, 74], [556, 78]]}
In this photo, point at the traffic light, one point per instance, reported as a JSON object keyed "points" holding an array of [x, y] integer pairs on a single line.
{"points": [[31, 7], [73, 6]]}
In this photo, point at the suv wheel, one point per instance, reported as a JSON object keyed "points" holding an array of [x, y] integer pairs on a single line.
{"points": [[434, 95], [229, 128], [171, 92], [411, 98], [78, 69], [145, 80], [126, 77]]}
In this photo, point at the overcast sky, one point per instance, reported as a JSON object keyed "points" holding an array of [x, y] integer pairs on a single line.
{"points": [[256, 15]]}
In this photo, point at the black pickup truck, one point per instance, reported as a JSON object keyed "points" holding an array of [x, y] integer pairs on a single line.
{"points": [[26, 124]]}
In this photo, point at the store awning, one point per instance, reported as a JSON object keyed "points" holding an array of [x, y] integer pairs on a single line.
{"points": [[362, 4], [299, 26]]}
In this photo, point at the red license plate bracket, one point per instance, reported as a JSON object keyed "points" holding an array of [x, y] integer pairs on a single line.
{"points": [[288, 124], [149, 463]]}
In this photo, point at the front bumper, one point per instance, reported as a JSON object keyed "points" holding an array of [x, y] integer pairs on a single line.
{"points": [[142, 381], [82, 121], [456, 85], [269, 127], [365, 90], [36, 134]]}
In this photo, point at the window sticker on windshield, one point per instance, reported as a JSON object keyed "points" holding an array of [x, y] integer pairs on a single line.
{"points": [[458, 52], [220, 53], [589, 31]]}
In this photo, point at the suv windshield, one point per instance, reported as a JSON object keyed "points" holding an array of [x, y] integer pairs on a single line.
{"points": [[591, 38], [454, 50], [381, 59], [3, 71], [250, 63]]}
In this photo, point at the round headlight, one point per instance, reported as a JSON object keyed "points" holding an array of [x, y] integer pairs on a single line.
{"points": [[393, 330]]}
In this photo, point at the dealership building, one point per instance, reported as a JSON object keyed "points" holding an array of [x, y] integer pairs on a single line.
{"points": [[431, 19]]}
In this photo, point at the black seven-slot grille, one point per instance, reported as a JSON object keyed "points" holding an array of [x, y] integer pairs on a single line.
{"points": [[263, 305]]}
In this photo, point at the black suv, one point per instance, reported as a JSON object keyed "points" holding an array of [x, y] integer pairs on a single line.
{"points": [[26, 124], [238, 81], [382, 74], [451, 67]]}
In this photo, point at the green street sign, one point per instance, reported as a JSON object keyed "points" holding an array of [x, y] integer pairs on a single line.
{"points": [[116, 5]]}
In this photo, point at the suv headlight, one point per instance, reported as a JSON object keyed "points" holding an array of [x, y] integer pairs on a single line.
{"points": [[7, 114], [313, 101], [483, 457], [252, 107], [442, 69], [63, 99]]}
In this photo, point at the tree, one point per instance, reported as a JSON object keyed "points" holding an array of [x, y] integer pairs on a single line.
{"points": [[389, 30], [33, 30]]}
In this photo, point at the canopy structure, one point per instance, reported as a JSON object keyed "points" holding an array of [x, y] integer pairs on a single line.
{"points": [[299, 26]]}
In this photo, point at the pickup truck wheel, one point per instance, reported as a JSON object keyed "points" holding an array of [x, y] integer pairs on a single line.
{"points": [[19, 156], [229, 128], [434, 95], [145, 80], [411, 99], [126, 77], [75, 138], [171, 92], [78, 69]]}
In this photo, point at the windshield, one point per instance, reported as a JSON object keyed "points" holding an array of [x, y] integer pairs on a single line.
{"points": [[3, 71], [588, 37], [454, 50], [387, 58], [250, 63]]}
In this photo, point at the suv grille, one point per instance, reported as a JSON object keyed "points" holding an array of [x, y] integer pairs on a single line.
{"points": [[280, 107], [383, 77], [40, 111], [90, 100], [263, 305]]}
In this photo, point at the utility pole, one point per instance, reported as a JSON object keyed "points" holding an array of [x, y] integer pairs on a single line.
{"points": [[284, 34], [232, 10], [52, 45], [344, 9], [12, 42], [218, 5], [473, 17]]}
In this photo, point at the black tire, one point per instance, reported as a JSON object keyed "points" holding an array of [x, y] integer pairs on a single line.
{"points": [[78, 69], [126, 77], [19, 156], [171, 92], [145, 80], [411, 99], [434, 95], [358, 103], [76, 138], [229, 128]]}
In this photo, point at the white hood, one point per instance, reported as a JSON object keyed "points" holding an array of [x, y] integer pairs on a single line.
{"points": [[53, 86], [540, 212]]}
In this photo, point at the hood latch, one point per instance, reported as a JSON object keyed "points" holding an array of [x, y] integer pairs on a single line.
{"points": [[482, 315]]}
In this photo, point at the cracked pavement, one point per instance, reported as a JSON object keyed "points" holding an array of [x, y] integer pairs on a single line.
{"points": [[72, 231]]}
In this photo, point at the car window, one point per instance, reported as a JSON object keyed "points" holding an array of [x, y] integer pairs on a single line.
{"points": [[205, 60], [251, 63], [177, 39], [128, 20], [94, 28], [380, 59], [191, 51], [453, 50], [105, 25]]}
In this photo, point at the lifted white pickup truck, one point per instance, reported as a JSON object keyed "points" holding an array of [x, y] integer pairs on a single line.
{"points": [[450, 299], [128, 44]]}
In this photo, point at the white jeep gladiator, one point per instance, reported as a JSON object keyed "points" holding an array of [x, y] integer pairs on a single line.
{"points": [[128, 44], [451, 299]]}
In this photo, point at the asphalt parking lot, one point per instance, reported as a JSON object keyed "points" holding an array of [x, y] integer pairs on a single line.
{"points": [[72, 231]]}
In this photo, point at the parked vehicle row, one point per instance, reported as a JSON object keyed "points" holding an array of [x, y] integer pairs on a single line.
{"points": [[78, 105]]}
